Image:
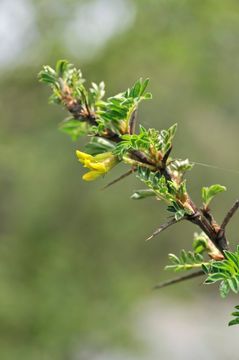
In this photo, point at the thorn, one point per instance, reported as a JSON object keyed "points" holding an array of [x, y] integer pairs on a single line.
{"points": [[179, 279], [165, 158], [163, 227], [119, 178], [132, 122]]}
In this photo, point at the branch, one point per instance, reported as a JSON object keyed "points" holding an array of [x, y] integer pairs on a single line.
{"points": [[179, 279], [229, 215]]}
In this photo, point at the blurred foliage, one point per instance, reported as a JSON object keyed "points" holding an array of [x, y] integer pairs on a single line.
{"points": [[72, 263]]}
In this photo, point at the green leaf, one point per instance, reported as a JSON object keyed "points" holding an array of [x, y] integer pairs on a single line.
{"points": [[186, 261], [214, 278], [96, 95], [98, 145], [226, 271], [236, 320], [181, 165], [174, 259], [233, 284], [142, 194], [172, 130], [135, 91], [74, 128], [208, 193], [47, 75], [61, 67], [224, 289], [179, 214], [200, 242], [206, 268], [144, 86], [233, 258]]}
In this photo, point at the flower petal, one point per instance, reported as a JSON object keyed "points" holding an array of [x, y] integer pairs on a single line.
{"points": [[91, 175], [95, 166], [83, 156]]}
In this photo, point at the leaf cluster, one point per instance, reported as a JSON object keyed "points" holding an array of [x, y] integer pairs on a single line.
{"points": [[200, 242], [185, 261], [180, 167], [152, 142], [169, 191], [116, 111], [208, 193], [226, 271], [63, 75], [113, 114]]}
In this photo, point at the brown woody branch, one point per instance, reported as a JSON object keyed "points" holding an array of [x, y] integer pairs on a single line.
{"points": [[205, 221]]}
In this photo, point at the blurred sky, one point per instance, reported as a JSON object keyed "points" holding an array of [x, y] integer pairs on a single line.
{"points": [[85, 32], [75, 271]]}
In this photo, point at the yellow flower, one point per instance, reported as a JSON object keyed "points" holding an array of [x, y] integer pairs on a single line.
{"points": [[98, 164]]}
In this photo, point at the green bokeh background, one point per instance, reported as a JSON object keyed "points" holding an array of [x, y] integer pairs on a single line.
{"points": [[73, 260]]}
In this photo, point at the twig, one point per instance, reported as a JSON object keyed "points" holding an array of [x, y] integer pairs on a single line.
{"points": [[179, 279], [229, 215], [163, 227]]}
